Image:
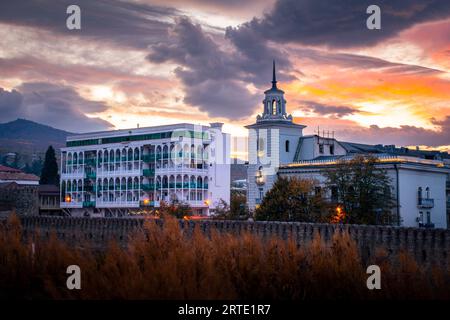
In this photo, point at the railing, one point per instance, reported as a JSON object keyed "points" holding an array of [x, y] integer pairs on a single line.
{"points": [[381, 158], [88, 204], [91, 175], [425, 203], [148, 172], [91, 162], [148, 203], [173, 155]]}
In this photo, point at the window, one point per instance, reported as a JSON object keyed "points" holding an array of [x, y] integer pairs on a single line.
{"points": [[287, 145], [261, 193], [419, 194], [331, 149], [428, 217], [274, 107], [427, 192], [420, 217], [260, 146], [320, 148]]}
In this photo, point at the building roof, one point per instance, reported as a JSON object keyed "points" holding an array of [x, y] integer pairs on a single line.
{"points": [[48, 189], [15, 176], [352, 147], [8, 169]]}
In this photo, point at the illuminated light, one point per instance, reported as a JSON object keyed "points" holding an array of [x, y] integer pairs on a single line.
{"points": [[68, 199], [207, 202], [339, 216], [146, 201]]}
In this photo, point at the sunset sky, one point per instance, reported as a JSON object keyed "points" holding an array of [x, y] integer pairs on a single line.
{"points": [[168, 61]]}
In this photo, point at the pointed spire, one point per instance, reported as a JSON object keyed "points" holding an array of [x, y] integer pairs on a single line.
{"points": [[274, 77]]}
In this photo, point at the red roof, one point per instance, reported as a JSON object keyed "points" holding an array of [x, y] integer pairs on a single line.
{"points": [[9, 169]]}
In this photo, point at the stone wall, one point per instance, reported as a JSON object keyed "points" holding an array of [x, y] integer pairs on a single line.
{"points": [[428, 246], [21, 198]]}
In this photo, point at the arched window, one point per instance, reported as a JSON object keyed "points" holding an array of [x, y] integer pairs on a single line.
{"points": [[287, 145], [274, 107], [419, 194], [427, 192]]}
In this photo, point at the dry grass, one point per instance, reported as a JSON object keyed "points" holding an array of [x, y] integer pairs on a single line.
{"points": [[165, 263]]}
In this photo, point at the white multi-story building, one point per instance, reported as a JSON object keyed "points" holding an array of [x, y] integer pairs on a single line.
{"points": [[277, 147], [121, 172]]}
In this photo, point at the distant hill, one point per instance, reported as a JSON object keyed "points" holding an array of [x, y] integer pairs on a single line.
{"points": [[28, 137]]}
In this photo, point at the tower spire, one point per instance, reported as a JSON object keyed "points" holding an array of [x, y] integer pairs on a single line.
{"points": [[274, 77]]}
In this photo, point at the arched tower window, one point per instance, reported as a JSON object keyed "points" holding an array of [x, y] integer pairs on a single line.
{"points": [[274, 107], [427, 192], [287, 145]]}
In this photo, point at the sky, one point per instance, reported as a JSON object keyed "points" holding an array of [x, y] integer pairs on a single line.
{"points": [[201, 61]]}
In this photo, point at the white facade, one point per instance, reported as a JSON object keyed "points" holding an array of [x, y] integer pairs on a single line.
{"points": [[122, 172], [417, 185], [277, 147]]}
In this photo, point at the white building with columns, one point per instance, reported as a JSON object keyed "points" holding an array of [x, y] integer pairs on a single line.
{"points": [[277, 147], [121, 172]]}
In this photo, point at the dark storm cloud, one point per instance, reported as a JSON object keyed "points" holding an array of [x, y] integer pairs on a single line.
{"points": [[215, 80], [341, 23], [125, 23], [405, 135], [349, 60], [322, 109], [58, 106]]}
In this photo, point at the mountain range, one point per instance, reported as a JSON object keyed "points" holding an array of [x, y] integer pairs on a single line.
{"points": [[28, 137]]}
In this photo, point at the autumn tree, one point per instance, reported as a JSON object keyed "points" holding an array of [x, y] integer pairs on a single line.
{"points": [[362, 189], [293, 199]]}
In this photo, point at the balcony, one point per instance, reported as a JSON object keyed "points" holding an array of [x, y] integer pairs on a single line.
{"points": [[88, 204], [426, 225], [91, 175], [148, 203], [148, 172], [425, 203], [91, 162], [89, 188], [148, 187]]}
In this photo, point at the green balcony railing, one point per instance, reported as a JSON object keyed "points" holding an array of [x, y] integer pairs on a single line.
{"points": [[90, 175], [148, 172], [90, 188], [147, 186], [88, 204], [91, 162]]}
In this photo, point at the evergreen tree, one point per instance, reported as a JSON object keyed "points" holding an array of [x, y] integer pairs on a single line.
{"points": [[49, 173]]}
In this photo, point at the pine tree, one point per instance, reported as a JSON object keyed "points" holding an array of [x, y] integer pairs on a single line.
{"points": [[49, 173]]}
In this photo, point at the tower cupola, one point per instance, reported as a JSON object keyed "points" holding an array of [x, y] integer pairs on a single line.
{"points": [[274, 103]]}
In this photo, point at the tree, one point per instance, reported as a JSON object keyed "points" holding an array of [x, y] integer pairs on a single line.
{"points": [[362, 191], [49, 173], [177, 209], [292, 199]]}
